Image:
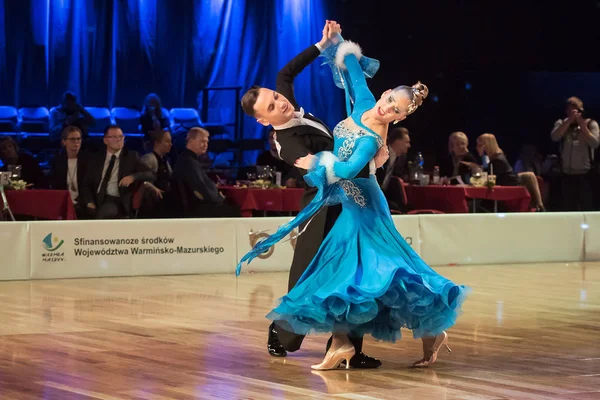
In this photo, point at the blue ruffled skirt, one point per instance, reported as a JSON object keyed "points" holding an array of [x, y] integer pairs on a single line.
{"points": [[365, 278]]}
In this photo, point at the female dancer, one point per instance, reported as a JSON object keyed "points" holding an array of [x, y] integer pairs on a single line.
{"points": [[365, 278]]}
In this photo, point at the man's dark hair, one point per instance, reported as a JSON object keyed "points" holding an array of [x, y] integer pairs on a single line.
{"points": [[249, 100], [111, 126], [396, 134]]}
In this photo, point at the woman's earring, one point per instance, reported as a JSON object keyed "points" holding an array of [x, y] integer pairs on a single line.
{"points": [[395, 122]]}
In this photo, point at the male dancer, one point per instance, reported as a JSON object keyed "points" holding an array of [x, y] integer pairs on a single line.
{"points": [[296, 135]]}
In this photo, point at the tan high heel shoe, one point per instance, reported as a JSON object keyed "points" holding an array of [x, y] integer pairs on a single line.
{"points": [[440, 340], [333, 359]]}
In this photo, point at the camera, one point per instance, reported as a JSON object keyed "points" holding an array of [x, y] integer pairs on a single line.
{"points": [[5, 178]]}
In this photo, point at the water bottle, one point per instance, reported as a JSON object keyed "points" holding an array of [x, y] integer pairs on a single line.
{"points": [[419, 160], [436, 175], [485, 161], [419, 167]]}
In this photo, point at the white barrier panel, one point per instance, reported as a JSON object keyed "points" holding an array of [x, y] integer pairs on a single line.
{"points": [[251, 230], [408, 226], [14, 250], [502, 238], [592, 236], [72, 249]]}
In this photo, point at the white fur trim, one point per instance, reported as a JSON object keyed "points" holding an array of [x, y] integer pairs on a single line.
{"points": [[327, 159], [343, 50]]}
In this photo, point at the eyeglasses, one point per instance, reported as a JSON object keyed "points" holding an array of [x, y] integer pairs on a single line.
{"points": [[74, 139], [117, 138]]}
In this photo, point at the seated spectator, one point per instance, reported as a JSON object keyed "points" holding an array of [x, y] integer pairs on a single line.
{"points": [[201, 193], [505, 175], [108, 188], [152, 118], [458, 149], [69, 113], [289, 175], [498, 165], [158, 162], [31, 172], [67, 171], [398, 142]]}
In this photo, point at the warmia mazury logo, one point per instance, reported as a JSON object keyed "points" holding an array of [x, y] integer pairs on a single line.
{"points": [[52, 243]]}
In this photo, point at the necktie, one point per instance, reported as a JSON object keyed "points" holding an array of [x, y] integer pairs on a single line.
{"points": [[105, 179]]}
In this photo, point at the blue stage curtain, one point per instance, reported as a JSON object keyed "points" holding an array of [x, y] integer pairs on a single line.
{"points": [[114, 52]]}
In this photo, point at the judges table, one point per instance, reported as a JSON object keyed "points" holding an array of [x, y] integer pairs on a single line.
{"points": [[453, 199], [250, 199], [45, 204]]}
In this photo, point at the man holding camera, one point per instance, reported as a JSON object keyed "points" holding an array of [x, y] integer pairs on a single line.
{"points": [[578, 138]]}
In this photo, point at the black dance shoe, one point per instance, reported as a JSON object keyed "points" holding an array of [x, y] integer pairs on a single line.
{"points": [[362, 360], [274, 346]]}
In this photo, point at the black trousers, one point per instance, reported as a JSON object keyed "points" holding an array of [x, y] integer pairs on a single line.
{"points": [[577, 192]]}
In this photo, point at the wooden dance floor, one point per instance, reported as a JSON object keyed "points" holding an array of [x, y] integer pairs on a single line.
{"points": [[528, 332]]}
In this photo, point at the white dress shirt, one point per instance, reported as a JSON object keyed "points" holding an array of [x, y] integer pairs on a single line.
{"points": [[72, 179], [113, 183]]}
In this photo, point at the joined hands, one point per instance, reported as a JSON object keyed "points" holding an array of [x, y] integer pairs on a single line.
{"points": [[331, 32]]}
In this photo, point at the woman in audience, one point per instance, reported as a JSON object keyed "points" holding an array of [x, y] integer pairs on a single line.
{"points": [[498, 164], [68, 167], [505, 175], [458, 148]]}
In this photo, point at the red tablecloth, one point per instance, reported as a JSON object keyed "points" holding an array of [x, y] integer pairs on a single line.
{"points": [[249, 199], [453, 199], [448, 199], [515, 198], [46, 204]]}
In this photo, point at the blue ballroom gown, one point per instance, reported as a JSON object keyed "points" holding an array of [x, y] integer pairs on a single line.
{"points": [[365, 278]]}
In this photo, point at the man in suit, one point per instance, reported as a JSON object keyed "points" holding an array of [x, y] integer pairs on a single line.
{"points": [[157, 199], [398, 143], [202, 194], [68, 168], [298, 134], [108, 188]]}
